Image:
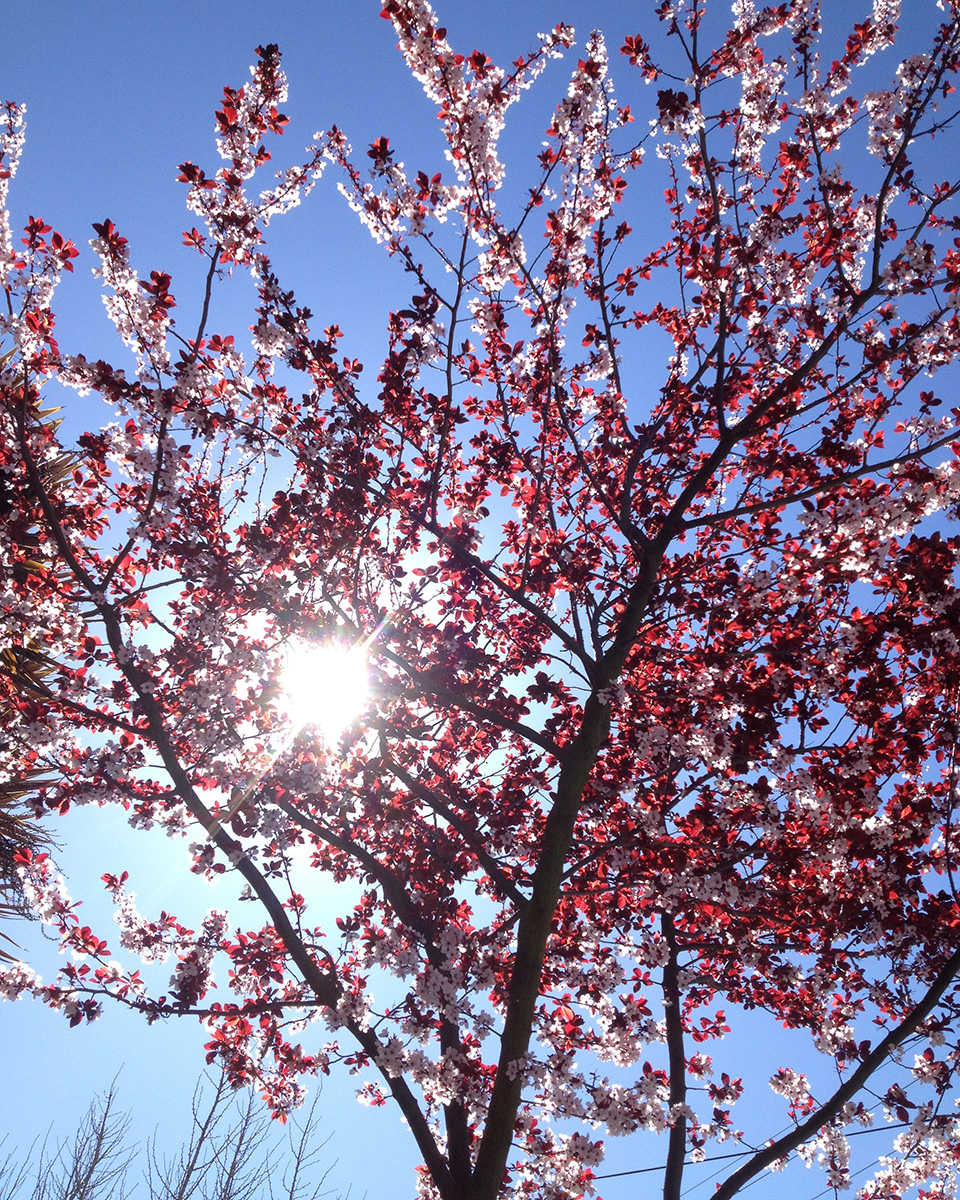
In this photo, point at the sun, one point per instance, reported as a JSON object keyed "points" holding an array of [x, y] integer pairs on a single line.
{"points": [[325, 686]]}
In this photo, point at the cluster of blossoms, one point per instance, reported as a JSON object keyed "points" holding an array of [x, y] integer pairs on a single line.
{"points": [[139, 311], [590, 187], [12, 135], [760, 107], [150, 941], [193, 975], [47, 892], [471, 93], [30, 275], [233, 220]]}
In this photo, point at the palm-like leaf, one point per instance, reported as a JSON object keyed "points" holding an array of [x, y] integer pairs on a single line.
{"points": [[25, 668]]}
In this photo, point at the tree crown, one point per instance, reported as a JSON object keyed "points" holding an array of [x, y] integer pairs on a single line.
{"points": [[661, 670]]}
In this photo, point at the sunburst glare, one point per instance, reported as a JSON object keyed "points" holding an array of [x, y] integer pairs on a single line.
{"points": [[325, 686]]}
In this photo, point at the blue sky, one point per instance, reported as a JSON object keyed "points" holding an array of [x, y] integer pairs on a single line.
{"points": [[118, 94]]}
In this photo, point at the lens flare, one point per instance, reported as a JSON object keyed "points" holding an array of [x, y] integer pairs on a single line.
{"points": [[325, 686]]}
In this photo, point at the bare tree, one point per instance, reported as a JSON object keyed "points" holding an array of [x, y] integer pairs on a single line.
{"points": [[233, 1153], [93, 1164]]}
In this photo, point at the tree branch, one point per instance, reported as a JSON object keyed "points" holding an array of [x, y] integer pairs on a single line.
{"points": [[781, 1147], [673, 1016]]}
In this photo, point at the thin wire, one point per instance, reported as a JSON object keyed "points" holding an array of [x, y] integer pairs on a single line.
{"points": [[869, 1166], [741, 1153]]}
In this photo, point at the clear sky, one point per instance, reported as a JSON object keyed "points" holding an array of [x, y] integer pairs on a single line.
{"points": [[118, 94]]}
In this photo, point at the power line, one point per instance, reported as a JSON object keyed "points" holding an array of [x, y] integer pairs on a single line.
{"points": [[739, 1153]]}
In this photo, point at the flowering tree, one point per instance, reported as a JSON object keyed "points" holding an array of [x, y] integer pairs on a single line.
{"points": [[662, 655]]}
